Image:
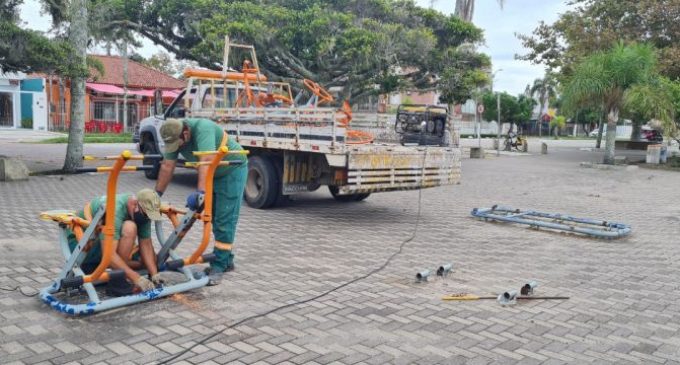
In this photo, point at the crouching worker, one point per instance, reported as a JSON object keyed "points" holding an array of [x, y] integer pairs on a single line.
{"points": [[192, 135], [133, 249]]}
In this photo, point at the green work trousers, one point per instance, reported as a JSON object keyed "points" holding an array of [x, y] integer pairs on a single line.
{"points": [[227, 197]]}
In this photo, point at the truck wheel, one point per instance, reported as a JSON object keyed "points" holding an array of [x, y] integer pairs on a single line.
{"points": [[346, 198], [281, 199], [262, 186], [149, 148]]}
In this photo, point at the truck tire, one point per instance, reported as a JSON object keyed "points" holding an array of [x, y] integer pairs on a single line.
{"points": [[262, 185], [149, 148], [281, 199], [346, 198]]}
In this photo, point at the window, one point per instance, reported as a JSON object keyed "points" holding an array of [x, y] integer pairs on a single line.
{"points": [[104, 110], [219, 98]]}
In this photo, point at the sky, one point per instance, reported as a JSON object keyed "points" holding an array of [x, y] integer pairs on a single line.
{"points": [[499, 25]]}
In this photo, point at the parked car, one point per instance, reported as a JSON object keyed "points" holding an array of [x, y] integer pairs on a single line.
{"points": [[596, 130], [650, 134]]}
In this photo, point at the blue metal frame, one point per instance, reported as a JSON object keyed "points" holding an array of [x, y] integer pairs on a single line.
{"points": [[559, 222], [95, 304]]}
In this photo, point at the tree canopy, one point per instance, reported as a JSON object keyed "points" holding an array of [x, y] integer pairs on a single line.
{"points": [[31, 51], [357, 44], [622, 80], [514, 110], [598, 25]]}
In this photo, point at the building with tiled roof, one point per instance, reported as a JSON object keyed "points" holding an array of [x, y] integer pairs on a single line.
{"points": [[139, 75], [105, 93]]}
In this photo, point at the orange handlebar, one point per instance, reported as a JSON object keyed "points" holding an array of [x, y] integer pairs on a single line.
{"points": [[208, 204], [109, 227]]}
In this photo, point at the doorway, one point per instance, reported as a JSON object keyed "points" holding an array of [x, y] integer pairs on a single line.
{"points": [[6, 110]]}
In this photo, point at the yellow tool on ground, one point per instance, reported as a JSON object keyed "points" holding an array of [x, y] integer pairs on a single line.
{"points": [[464, 296]]}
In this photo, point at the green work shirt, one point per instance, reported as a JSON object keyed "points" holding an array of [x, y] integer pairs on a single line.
{"points": [[143, 230], [206, 135], [94, 256]]}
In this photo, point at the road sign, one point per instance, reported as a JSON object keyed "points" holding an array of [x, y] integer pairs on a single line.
{"points": [[480, 108]]}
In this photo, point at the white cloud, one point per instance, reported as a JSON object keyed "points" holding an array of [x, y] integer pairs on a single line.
{"points": [[500, 26]]}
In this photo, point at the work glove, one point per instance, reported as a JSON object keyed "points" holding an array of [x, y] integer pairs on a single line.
{"points": [[157, 279], [195, 200], [144, 284]]}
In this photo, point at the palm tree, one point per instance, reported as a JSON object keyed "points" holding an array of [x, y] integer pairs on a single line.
{"points": [[621, 79], [544, 90], [465, 9]]}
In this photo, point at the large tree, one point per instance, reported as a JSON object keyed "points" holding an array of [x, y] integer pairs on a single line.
{"points": [[356, 44], [597, 25], [622, 79], [514, 110]]}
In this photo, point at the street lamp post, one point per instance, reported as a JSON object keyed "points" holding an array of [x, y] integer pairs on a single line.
{"points": [[498, 107]]}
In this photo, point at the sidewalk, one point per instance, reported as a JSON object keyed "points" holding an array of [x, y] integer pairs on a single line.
{"points": [[40, 157], [26, 135]]}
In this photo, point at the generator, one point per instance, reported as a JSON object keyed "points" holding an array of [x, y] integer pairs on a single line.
{"points": [[421, 124]]}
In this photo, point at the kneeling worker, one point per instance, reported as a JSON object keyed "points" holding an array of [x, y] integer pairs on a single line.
{"points": [[132, 221], [192, 135]]}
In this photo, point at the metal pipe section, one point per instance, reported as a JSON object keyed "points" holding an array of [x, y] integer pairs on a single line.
{"points": [[445, 270], [601, 229], [422, 276], [508, 298], [528, 288]]}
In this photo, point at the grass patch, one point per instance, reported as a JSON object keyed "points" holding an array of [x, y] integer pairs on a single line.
{"points": [[95, 138]]}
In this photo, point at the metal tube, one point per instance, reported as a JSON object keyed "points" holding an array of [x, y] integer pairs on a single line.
{"points": [[528, 288], [444, 270], [422, 276], [508, 298]]}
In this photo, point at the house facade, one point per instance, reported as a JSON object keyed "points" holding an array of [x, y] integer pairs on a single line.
{"points": [[106, 96], [10, 99]]}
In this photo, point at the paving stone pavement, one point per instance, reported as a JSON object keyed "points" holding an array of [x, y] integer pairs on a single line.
{"points": [[624, 306]]}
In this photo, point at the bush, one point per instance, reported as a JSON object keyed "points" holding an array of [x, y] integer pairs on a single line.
{"points": [[27, 123]]}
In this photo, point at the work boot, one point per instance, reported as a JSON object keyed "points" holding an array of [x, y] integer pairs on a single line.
{"points": [[216, 274]]}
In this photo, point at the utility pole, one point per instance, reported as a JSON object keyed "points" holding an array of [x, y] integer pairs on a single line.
{"points": [[125, 84], [498, 106]]}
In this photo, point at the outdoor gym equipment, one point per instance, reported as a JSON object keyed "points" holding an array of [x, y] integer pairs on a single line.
{"points": [[558, 222], [72, 277]]}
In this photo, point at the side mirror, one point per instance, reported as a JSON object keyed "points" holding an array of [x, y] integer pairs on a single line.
{"points": [[158, 102]]}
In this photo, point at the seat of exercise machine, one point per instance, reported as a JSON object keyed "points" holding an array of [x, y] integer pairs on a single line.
{"points": [[64, 216]]}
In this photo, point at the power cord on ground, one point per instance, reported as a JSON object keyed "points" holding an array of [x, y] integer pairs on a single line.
{"points": [[18, 289], [334, 289]]}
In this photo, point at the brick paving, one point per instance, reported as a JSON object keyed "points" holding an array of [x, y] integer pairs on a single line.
{"points": [[624, 306]]}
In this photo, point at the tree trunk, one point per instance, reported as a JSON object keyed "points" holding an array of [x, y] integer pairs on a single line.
{"points": [[637, 129], [575, 125], [609, 152], [600, 127], [78, 39], [540, 117], [465, 9]]}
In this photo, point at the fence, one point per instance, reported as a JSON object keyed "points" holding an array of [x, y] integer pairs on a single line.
{"points": [[103, 115]]}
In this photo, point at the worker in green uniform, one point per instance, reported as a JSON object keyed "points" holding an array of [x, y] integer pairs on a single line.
{"points": [[132, 222], [192, 135]]}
